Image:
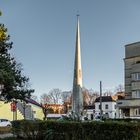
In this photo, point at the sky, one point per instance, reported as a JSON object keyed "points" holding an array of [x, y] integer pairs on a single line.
{"points": [[44, 35]]}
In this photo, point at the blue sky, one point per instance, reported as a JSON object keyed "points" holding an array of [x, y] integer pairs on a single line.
{"points": [[43, 33]]}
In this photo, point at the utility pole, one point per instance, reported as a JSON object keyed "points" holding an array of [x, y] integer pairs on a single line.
{"points": [[24, 107], [101, 100]]}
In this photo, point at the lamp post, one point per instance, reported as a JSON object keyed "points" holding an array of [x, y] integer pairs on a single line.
{"points": [[14, 110], [24, 107]]}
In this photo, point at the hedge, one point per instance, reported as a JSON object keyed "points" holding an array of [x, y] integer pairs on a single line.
{"points": [[62, 130]]}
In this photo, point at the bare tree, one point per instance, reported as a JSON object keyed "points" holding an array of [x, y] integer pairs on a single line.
{"points": [[108, 93], [44, 98], [89, 96], [93, 96], [119, 88], [86, 96], [53, 97], [66, 96]]}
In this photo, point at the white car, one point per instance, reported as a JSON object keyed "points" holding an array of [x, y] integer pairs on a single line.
{"points": [[5, 122]]}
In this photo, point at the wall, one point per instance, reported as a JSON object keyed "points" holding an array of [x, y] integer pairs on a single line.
{"points": [[111, 108], [6, 113], [38, 112]]}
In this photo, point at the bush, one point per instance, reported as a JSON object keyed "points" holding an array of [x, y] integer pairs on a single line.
{"points": [[70, 130], [29, 129], [94, 130]]}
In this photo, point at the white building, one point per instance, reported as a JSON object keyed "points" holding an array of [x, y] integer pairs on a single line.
{"points": [[108, 106], [89, 112]]}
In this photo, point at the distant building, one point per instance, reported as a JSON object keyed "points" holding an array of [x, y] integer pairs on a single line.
{"points": [[54, 108], [29, 111], [108, 106], [130, 105], [119, 95], [54, 116], [89, 112]]}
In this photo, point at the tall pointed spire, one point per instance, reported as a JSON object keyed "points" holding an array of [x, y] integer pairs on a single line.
{"points": [[77, 98]]}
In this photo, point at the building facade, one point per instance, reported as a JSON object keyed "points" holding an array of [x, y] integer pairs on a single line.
{"points": [[28, 111], [108, 107], [130, 105], [89, 112]]}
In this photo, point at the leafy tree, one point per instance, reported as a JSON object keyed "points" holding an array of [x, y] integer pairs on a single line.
{"points": [[13, 84], [2, 33]]}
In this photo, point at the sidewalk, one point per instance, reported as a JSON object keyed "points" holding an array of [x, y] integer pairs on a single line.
{"points": [[6, 135]]}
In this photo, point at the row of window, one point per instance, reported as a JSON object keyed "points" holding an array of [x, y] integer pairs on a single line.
{"points": [[106, 106], [136, 76], [137, 111], [136, 94]]}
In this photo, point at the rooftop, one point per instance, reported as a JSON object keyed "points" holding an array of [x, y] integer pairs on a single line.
{"points": [[106, 99]]}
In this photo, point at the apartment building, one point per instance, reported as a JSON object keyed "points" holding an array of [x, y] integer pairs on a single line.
{"points": [[130, 105]]}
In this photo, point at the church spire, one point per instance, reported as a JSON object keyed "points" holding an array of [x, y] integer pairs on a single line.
{"points": [[77, 98], [78, 69]]}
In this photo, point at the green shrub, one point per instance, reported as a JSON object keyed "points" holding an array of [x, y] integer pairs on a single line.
{"points": [[29, 129], [70, 130]]}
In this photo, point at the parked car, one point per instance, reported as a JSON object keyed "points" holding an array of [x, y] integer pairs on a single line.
{"points": [[5, 122]]}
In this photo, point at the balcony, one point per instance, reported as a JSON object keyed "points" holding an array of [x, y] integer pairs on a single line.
{"points": [[136, 67], [135, 85], [127, 103]]}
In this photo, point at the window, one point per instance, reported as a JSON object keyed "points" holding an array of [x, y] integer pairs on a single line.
{"points": [[115, 114], [137, 62], [106, 106], [137, 111], [136, 94], [136, 76], [99, 106], [91, 115], [115, 106]]}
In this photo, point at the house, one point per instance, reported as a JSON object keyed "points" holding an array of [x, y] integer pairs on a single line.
{"points": [[108, 106], [129, 106], [89, 112], [55, 108], [21, 110]]}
